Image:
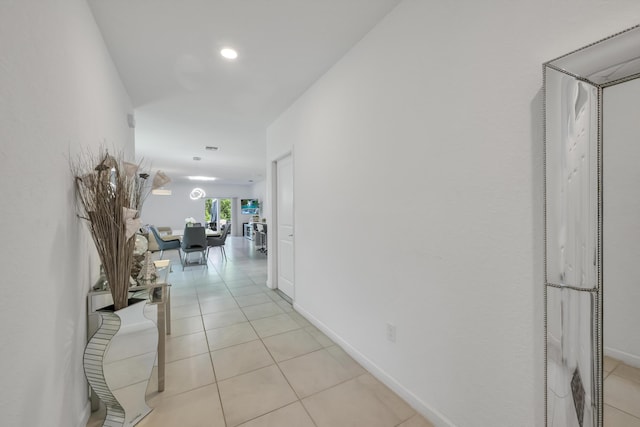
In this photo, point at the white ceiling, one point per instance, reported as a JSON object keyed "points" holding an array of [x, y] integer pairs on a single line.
{"points": [[186, 96]]}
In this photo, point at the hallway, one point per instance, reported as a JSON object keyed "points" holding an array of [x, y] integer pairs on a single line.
{"points": [[239, 355]]}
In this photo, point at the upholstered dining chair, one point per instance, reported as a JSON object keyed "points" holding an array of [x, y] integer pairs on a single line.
{"points": [[194, 240], [213, 241], [165, 242]]}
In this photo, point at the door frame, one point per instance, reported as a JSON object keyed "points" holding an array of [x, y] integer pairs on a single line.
{"points": [[273, 227]]}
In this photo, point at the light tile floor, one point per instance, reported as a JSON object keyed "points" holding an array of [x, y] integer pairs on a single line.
{"points": [[621, 394], [239, 355]]}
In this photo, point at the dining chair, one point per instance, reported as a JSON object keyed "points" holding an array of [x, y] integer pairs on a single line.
{"points": [[166, 242], [218, 241], [193, 240]]}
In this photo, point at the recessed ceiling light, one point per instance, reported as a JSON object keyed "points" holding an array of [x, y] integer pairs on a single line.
{"points": [[202, 178], [229, 53]]}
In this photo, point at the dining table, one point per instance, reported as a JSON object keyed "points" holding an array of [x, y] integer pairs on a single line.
{"points": [[207, 231]]}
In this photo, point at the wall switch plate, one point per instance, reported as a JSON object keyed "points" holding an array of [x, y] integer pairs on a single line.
{"points": [[391, 332]]}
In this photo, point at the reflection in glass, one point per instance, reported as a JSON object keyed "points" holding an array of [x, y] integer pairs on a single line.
{"points": [[621, 251], [606, 62], [570, 365], [571, 155]]}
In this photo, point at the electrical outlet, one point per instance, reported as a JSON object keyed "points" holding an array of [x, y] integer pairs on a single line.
{"points": [[391, 332]]}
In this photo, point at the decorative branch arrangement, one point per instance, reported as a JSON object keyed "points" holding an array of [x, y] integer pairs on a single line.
{"points": [[110, 193]]}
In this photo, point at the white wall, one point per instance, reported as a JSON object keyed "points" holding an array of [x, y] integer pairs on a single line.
{"points": [[621, 253], [259, 191], [171, 210], [59, 94], [433, 123]]}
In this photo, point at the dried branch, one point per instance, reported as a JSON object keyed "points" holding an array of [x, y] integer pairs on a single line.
{"points": [[104, 186]]}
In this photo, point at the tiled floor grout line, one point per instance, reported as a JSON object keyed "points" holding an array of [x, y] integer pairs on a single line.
{"points": [[290, 385], [283, 375], [224, 417], [275, 363], [621, 410], [215, 376], [608, 375], [211, 351]]}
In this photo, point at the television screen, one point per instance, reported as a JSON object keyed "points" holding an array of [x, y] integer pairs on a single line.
{"points": [[249, 206]]}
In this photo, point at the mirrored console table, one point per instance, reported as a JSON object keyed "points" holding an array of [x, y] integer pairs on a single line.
{"points": [[158, 294]]}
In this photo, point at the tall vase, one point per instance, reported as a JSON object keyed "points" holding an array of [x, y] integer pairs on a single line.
{"points": [[118, 361]]}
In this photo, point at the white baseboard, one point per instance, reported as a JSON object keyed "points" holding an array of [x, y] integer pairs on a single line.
{"points": [[626, 358], [435, 417]]}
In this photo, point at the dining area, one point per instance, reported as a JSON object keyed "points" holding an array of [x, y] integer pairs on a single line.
{"points": [[193, 243]]}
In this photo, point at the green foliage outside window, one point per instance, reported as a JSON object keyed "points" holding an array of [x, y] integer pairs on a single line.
{"points": [[225, 209], [207, 209]]}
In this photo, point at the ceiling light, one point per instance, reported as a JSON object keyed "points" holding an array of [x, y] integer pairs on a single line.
{"points": [[160, 179], [211, 148], [161, 192], [196, 158], [202, 178], [229, 53], [197, 193]]}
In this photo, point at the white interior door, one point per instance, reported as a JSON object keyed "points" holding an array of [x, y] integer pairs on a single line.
{"points": [[284, 193]]}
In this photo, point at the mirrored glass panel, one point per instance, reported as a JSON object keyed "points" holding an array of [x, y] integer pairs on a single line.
{"points": [[572, 181], [621, 253], [606, 62], [571, 367], [592, 234]]}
